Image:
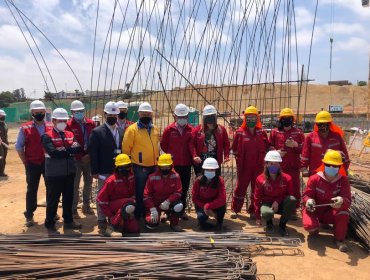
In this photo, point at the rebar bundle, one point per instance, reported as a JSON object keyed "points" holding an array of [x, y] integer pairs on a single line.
{"points": [[159, 256], [360, 184]]}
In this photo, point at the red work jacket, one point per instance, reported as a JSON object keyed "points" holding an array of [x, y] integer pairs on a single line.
{"points": [[208, 196]]}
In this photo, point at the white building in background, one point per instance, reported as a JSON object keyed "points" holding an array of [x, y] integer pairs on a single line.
{"points": [[69, 94]]}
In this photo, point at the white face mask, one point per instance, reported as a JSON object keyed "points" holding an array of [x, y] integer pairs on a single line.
{"points": [[61, 126], [182, 122], [209, 174]]}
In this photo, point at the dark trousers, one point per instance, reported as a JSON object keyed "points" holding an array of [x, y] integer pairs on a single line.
{"points": [[202, 217], [33, 175], [56, 186], [3, 154], [141, 174], [185, 174]]}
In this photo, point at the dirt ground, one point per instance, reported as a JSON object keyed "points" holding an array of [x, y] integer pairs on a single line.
{"points": [[321, 259]]}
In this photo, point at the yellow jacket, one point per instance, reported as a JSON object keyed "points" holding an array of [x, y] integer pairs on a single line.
{"points": [[142, 147]]}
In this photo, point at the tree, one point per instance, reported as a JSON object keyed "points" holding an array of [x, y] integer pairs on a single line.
{"points": [[362, 83], [19, 95], [6, 98], [49, 95]]}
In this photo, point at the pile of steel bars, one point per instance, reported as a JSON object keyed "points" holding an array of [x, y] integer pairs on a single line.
{"points": [[359, 184], [148, 256]]}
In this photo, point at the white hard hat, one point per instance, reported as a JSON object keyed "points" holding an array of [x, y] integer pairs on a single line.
{"points": [[145, 107], [60, 114], [210, 163], [122, 104], [77, 105], [181, 110], [37, 105], [111, 108], [2, 113], [273, 156], [209, 110]]}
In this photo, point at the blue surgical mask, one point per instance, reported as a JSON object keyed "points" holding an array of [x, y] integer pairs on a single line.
{"points": [[273, 169], [209, 174], [79, 115], [331, 171]]}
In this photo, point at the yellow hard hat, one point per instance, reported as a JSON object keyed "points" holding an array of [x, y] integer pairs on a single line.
{"points": [[165, 160], [286, 112], [332, 157], [323, 117], [251, 110], [122, 159]]}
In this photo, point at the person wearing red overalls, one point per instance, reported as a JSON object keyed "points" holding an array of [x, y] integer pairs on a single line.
{"points": [[326, 135], [117, 198], [60, 148], [162, 193], [288, 141], [249, 147], [327, 198]]}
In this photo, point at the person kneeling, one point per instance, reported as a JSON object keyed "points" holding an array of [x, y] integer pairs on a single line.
{"points": [[327, 198], [209, 196], [274, 194], [162, 193], [117, 198]]}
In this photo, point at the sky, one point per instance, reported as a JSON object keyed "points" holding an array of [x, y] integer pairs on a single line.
{"points": [[70, 26]]}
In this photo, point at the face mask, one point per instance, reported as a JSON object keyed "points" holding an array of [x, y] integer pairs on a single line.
{"points": [[122, 115], [165, 171], [111, 120], [273, 169], [145, 120], [286, 122], [123, 171], [38, 117], [182, 122], [323, 128], [2, 119], [211, 119], [209, 174], [79, 116], [331, 171], [251, 124], [61, 126]]}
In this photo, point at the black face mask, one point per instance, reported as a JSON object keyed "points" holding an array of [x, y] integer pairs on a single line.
{"points": [[2, 119], [165, 171], [145, 120], [211, 119], [123, 171], [38, 117], [122, 115], [323, 128], [111, 120], [286, 122]]}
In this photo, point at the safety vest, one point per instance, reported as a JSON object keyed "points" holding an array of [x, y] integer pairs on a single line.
{"points": [[58, 141], [33, 149]]}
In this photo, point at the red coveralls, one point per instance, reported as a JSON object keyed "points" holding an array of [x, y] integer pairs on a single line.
{"points": [[268, 191], [117, 192], [322, 191], [158, 188], [315, 147], [291, 160], [250, 151], [206, 196]]}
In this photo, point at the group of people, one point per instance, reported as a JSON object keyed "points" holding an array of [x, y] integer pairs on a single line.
{"points": [[136, 180]]}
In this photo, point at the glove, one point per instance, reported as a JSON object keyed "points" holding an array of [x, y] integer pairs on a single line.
{"points": [[337, 202], [130, 209], [310, 203], [165, 205], [154, 216], [275, 206]]}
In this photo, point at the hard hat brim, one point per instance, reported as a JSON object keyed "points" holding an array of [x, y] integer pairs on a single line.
{"points": [[111, 113], [78, 109], [123, 164], [164, 164], [145, 110]]}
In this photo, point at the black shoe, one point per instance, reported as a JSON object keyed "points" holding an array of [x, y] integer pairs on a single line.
{"points": [[3, 175], [57, 217], [102, 224], [29, 222], [269, 228], [72, 225], [206, 226], [282, 228], [52, 230], [219, 227]]}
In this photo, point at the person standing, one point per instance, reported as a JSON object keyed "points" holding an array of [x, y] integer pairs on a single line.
{"points": [[81, 128], [60, 148], [122, 120], [4, 143], [210, 140], [141, 143], [326, 135], [327, 198], [249, 147], [179, 134], [31, 153], [288, 141], [104, 146]]}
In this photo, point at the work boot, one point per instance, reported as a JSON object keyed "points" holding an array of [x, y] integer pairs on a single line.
{"points": [[87, 210], [72, 225], [282, 228], [75, 214], [109, 231], [342, 246], [29, 222], [52, 230], [234, 216], [102, 224], [176, 228], [269, 228], [219, 227], [206, 226]]}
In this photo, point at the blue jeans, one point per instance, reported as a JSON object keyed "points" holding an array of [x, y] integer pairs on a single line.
{"points": [[141, 174]]}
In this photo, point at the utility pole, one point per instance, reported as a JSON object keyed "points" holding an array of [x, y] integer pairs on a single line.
{"points": [[366, 4]]}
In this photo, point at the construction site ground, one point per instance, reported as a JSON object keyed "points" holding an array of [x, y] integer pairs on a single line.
{"points": [[321, 259]]}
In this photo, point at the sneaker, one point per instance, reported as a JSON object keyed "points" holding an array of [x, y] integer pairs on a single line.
{"points": [[29, 222], [75, 215], [109, 231], [176, 228], [72, 225], [185, 217], [342, 246], [102, 224], [87, 210], [234, 216]]}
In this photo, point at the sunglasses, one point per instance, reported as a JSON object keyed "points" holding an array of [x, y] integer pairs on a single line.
{"points": [[331, 165]]}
